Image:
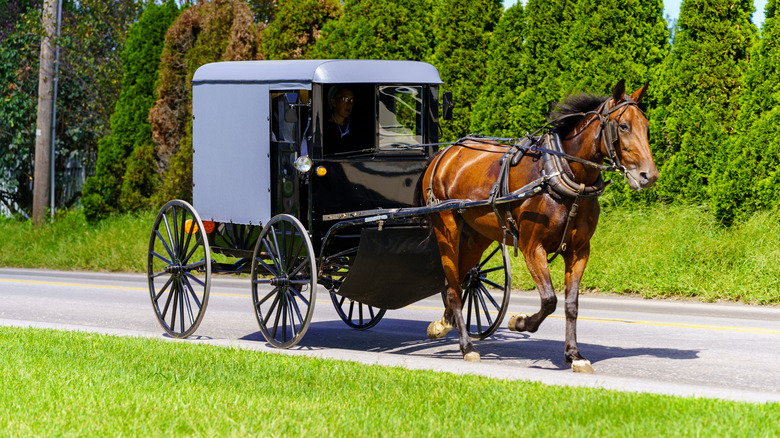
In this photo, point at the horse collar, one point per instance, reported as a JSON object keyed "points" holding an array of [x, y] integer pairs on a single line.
{"points": [[559, 175]]}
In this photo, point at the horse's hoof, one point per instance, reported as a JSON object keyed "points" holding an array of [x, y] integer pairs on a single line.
{"points": [[513, 321], [472, 356], [582, 366], [439, 329]]}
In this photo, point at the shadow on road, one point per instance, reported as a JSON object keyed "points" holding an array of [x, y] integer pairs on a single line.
{"points": [[404, 337]]}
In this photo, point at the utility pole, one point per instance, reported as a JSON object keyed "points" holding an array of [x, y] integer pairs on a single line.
{"points": [[43, 134]]}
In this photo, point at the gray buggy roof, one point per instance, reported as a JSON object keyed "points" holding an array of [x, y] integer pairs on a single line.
{"points": [[331, 71]]}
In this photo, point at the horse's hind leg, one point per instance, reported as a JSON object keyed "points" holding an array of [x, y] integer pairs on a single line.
{"points": [[448, 228]]}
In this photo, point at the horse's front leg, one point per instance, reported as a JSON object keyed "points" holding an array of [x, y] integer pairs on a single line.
{"points": [[575, 267], [536, 260]]}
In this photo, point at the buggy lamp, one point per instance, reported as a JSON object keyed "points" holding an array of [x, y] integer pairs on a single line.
{"points": [[303, 164], [322, 171], [191, 227]]}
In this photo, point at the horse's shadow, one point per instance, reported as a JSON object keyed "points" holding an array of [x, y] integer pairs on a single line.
{"points": [[404, 337]]}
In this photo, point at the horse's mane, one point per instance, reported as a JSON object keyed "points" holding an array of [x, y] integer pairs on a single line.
{"points": [[563, 114]]}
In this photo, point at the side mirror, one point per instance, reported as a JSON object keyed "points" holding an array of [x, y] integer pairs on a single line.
{"points": [[446, 103]]}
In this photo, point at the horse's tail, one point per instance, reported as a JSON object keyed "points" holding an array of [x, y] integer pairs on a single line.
{"points": [[419, 192]]}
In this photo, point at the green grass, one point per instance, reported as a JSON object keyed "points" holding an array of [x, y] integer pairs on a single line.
{"points": [[658, 251], [70, 383]]}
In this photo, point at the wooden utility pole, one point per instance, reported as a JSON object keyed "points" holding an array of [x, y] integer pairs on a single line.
{"points": [[45, 98]]}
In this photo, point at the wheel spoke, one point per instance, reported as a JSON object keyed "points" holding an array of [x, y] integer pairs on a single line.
{"points": [[489, 257], [165, 246], [192, 291], [483, 305], [162, 290], [489, 296]]}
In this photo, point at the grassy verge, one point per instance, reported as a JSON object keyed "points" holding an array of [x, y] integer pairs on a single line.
{"points": [[658, 251], [69, 383]]}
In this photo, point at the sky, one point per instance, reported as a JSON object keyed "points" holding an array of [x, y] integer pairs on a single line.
{"points": [[672, 9]]}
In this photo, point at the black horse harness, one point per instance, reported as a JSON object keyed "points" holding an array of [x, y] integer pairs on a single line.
{"points": [[557, 175]]}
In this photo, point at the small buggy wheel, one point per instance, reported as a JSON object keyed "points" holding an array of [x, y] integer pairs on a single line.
{"points": [[179, 269], [486, 291], [355, 314], [284, 260]]}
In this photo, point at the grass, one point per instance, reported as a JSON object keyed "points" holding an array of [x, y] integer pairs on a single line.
{"points": [[70, 383], [659, 252]]}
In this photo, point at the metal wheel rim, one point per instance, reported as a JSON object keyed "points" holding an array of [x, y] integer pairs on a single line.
{"points": [[285, 312], [354, 313], [484, 309], [357, 315], [184, 282]]}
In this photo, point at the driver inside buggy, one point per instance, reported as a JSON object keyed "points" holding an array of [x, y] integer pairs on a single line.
{"points": [[341, 131]]}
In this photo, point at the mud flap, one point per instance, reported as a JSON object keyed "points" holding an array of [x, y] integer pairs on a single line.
{"points": [[394, 267]]}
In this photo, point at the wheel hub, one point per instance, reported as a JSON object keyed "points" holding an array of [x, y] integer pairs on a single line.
{"points": [[284, 281], [472, 278]]}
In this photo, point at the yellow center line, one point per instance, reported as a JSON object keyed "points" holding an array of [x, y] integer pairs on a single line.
{"points": [[441, 309]]}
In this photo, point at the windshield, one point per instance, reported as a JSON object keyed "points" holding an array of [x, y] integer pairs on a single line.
{"points": [[400, 116]]}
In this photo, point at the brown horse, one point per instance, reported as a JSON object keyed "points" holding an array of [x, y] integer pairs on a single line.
{"points": [[560, 219]]}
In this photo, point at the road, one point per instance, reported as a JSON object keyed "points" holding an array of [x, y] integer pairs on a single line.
{"points": [[713, 350]]}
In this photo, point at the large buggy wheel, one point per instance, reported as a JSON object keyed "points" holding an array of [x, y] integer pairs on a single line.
{"points": [[486, 291], [179, 269], [355, 314], [284, 259]]}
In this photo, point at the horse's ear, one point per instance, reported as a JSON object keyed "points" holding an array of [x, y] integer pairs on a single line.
{"points": [[637, 95], [620, 90]]}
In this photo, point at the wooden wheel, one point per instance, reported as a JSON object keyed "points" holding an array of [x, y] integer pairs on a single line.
{"points": [[355, 314], [486, 292], [179, 269], [284, 259]]}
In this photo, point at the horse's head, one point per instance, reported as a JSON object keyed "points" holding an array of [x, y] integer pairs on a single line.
{"points": [[625, 137]]}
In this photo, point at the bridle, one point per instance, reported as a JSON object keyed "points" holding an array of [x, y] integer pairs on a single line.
{"points": [[608, 129]]}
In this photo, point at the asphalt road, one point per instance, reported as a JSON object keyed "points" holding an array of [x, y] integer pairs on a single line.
{"points": [[726, 351]]}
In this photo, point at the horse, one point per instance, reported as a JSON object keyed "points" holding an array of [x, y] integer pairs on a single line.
{"points": [[559, 219]]}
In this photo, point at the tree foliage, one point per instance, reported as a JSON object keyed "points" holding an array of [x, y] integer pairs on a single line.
{"points": [[751, 180], [130, 128], [93, 33], [697, 95], [613, 40], [506, 77], [220, 30], [378, 29], [297, 26], [461, 31]]}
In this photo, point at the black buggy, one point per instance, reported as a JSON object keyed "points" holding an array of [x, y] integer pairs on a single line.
{"points": [[275, 201]]}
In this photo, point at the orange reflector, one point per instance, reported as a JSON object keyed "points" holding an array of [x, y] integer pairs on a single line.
{"points": [[322, 171], [208, 226], [190, 227]]}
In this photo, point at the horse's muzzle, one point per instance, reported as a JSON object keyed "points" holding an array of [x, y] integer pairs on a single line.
{"points": [[639, 180]]}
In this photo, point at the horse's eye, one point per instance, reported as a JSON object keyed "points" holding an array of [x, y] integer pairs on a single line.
{"points": [[624, 127]]}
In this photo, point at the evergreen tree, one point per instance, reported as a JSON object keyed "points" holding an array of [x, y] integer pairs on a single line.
{"points": [[378, 29], [505, 76], [220, 30], [751, 180], [461, 31], [548, 24], [130, 127], [613, 40], [297, 26], [696, 95]]}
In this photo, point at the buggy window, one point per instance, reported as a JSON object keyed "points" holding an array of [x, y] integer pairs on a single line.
{"points": [[400, 117]]}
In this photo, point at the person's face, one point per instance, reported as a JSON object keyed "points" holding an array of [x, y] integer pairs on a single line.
{"points": [[342, 103]]}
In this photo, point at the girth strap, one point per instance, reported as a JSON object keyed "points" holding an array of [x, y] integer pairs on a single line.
{"points": [[572, 214]]}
